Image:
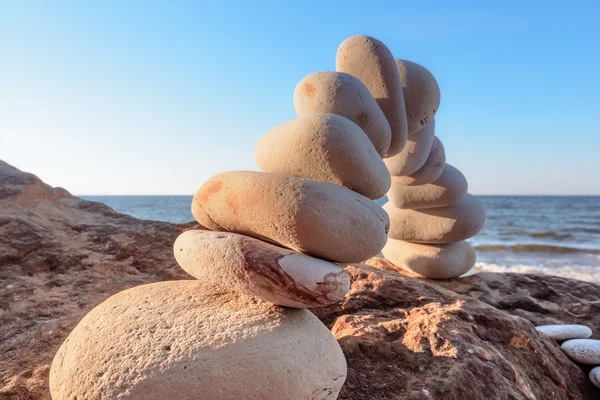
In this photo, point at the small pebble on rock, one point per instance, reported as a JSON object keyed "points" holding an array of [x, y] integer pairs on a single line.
{"points": [[595, 376], [585, 351], [565, 332]]}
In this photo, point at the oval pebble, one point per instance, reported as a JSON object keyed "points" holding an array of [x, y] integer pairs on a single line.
{"points": [[343, 94], [251, 266], [441, 261], [190, 340], [446, 190], [302, 214], [372, 62], [421, 95], [565, 332], [430, 171], [585, 351], [325, 147], [437, 225], [414, 154], [595, 376]]}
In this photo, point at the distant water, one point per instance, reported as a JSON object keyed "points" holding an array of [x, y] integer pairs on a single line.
{"points": [[545, 234]]}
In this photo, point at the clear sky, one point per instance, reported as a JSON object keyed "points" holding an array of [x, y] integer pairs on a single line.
{"points": [[140, 97]]}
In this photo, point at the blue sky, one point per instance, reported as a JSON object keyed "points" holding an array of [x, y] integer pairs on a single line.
{"points": [[154, 98]]}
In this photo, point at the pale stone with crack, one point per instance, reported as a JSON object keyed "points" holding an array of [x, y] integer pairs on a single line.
{"points": [[272, 273]]}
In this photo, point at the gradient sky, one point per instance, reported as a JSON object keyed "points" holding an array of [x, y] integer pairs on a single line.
{"points": [[142, 97]]}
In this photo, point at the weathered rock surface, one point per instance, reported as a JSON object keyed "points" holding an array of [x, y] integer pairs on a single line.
{"points": [[196, 340], [448, 189], [325, 147], [437, 225], [61, 256], [595, 376], [565, 332], [372, 62], [272, 273], [302, 214], [343, 94], [406, 339]]}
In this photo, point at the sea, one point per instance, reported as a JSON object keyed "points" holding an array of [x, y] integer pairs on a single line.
{"points": [[530, 234]]}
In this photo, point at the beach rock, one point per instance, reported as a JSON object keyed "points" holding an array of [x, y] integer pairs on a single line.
{"points": [[421, 94], [372, 62], [565, 332], [437, 225], [325, 147], [441, 261], [247, 265], [430, 171], [61, 256], [187, 338], [405, 338], [343, 94], [445, 191], [585, 351], [414, 154], [302, 214], [595, 376]]}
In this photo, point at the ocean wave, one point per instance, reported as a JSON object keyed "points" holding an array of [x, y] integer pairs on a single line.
{"points": [[537, 248], [582, 273], [551, 235]]}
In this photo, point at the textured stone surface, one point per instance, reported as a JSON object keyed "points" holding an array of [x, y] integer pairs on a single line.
{"points": [[595, 376], [407, 339], [430, 171], [585, 351], [373, 63], [448, 189], [301, 214], [62, 256], [324, 147], [414, 154], [421, 95], [185, 338], [442, 261], [343, 94], [565, 332], [437, 225], [247, 265], [59, 257]]}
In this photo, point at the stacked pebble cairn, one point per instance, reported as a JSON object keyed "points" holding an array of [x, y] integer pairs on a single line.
{"points": [[431, 213], [242, 329], [577, 345]]}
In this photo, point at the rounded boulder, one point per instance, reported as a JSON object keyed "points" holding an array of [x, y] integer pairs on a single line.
{"points": [[585, 351], [421, 94], [188, 339], [565, 332], [446, 190], [430, 171], [437, 225], [251, 266], [325, 147], [373, 64], [436, 261], [313, 217], [414, 154], [343, 94]]}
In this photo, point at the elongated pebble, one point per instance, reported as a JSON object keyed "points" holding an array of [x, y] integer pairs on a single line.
{"points": [[251, 266], [595, 376], [372, 62], [565, 332], [585, 351]]}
